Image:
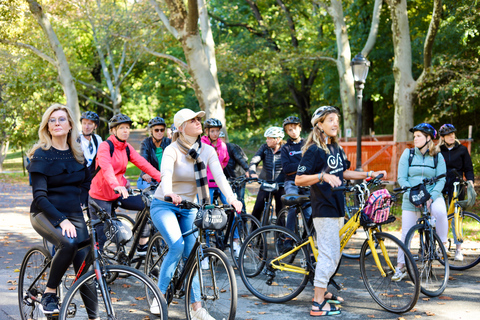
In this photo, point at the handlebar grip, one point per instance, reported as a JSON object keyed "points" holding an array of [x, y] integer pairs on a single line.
{"points": [[168, 199], [380, 176], [441, 176], [341, 188], [400, 189]]}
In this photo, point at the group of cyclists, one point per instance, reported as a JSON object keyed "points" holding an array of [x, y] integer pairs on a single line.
{"points": [[67, 168]]}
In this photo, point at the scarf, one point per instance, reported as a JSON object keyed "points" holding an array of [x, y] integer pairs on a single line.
{"points": [[192, 152]]}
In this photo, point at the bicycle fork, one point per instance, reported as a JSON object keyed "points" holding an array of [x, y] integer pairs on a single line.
{"points": [[371, 244]]}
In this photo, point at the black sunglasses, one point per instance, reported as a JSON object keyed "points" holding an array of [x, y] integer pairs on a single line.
{"points": [[161, 130]]}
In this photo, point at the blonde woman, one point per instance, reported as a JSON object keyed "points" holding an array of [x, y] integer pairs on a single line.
{"points": [[58, 171], [324, 166]]}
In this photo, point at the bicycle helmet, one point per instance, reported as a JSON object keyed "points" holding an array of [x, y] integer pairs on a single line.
{"points": [[320, 112], [212, 123], [221, 134], [155, 122], [173, 128], [425, 128], [274, 132], [90, 115], [119, 119], [291, 120], [446, 129]]}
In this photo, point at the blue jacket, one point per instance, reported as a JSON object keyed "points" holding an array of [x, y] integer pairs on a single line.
{"points": [[422, 167]]}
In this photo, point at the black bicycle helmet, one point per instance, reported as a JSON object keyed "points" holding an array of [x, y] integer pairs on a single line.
{"points": [[291, 120], [446, 129], [90, 115], [156, 121], [425, 128], [212, 123], [320, 112], [119, 119]]}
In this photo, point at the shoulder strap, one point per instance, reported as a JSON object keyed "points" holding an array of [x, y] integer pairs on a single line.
{"points": [[95, 141], [412, 153]]}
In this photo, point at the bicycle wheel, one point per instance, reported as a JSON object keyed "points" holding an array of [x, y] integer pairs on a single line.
{"points": [[431, 259], [32, 281], [243, 226], [157, 249], [261, 277], [354, 245], [126, 294], [299, 224], [218, 286], [470, 227], [394, 296]]}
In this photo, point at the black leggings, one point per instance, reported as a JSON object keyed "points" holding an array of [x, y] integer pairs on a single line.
{"points": [[66, 252], [260, 202]]}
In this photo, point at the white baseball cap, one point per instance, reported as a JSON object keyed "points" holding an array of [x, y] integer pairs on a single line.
{"points": [[184, 115]]}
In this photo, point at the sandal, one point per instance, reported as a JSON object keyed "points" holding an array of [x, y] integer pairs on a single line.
{"points": [[333, 299], [317, 313]]}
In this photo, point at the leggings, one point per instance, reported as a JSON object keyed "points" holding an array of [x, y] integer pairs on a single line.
{"points": [[66, 252]]}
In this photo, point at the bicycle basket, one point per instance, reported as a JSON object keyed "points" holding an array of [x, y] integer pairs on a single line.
{"points": [[211, 218], [269, 187], [419, 194], [377, 207], [116, 231]]}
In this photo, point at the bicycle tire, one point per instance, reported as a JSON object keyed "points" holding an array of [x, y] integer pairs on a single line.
{"points": [[127, 295], [393, 296], [264, 281], [33, 262], [157, 249], [471, 242], [244, 224], [299, 225], [219, 286], [433, 272]]}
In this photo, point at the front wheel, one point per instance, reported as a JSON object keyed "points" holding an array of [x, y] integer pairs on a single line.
{"points": [[215, 287], [394, 296], [244, 225], [470, 247], [431, 258], [126, 297]]}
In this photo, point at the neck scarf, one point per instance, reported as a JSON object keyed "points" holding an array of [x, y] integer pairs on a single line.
{"points": [[192, 151]]}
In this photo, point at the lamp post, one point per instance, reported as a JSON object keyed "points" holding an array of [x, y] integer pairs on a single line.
{"points": [[360, 66]]}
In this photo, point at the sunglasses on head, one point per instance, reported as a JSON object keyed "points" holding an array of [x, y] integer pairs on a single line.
{"points": [[161, 130]]}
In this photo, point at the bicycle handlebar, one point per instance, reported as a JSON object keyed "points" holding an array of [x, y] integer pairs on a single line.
{"points": [[426, 181], [370, 181], [185, 204]]}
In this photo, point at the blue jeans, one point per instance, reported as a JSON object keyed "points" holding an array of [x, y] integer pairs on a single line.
{"points": [[142, 184], [172, 222], [291, 188]]}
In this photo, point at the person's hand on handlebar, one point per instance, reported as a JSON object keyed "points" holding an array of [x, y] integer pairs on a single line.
{"points": [[376, 173], [176, 199], [247, 174], [254, 175], [123, 191], [332, 180], [147, 178], [237, 205]]}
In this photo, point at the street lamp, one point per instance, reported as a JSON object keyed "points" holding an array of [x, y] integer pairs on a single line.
{"points": [[360, 66]]}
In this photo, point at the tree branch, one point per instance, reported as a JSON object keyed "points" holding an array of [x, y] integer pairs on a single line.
{"points": [[259, 18], [235, 24], [372, 36], [32, 48], [192, 17], [312, 58], [179, 62], [96, 102], [164, 19], [291, 24], [430, 38], [94, 88]]}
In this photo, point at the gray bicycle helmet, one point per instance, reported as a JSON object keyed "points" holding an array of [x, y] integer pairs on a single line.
{"points": [[320, 112], [119, 119], [291, 120], [156, 121], [212, 123], [90, 115]]}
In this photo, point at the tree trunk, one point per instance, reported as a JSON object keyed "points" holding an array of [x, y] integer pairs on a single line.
{"points": [[65, 77], [405, 85]]}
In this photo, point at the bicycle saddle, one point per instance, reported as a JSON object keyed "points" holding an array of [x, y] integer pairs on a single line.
{"points": [[294, 199]]}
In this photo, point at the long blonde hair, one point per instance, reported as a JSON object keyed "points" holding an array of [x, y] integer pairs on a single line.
{"points": [[45, 139], [318, 137], [441, 142]]}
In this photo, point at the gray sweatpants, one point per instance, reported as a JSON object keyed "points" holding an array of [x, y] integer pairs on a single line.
{"points": [[328, 243]]}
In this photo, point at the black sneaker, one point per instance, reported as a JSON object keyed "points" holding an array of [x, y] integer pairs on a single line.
{"points": [[142, 249], [49, 303]]}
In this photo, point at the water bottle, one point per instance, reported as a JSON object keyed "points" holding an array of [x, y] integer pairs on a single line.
{"points": [[433, 222]]}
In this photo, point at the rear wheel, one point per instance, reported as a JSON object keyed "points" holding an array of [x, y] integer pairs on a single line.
{"points": [[470, 247], [243, 227], [156, 252]]}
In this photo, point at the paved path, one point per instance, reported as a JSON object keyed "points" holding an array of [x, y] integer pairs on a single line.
{"points": [[461, 299]]}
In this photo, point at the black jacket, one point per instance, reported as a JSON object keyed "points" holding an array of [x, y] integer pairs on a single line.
{"points": [[237, 162], [272, 164], [291, 156], [148, 151], [457, 158]]}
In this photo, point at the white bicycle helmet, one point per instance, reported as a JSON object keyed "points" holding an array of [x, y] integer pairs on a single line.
{"points": [[320, 112], [274, 132]]}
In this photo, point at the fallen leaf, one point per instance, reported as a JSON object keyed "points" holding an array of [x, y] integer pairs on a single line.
{"points": [[440, 302], [174, 302], [401, 318], [245, 295], [413, 310], [12, 288], [426, 299], [445, 298], [140, 298], [417, 316], [262, 312], [371, 316], [428, 313]]}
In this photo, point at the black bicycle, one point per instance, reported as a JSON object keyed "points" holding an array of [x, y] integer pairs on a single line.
{"points": [[428, 250], [121, 299], [268, 210], [218, 285]]}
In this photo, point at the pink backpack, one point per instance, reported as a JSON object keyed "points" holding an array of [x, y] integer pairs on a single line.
{"points": [[377, 207]]}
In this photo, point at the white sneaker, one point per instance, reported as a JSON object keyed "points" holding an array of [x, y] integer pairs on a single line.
{"points": [[458, 255], [201, 314], [206, 264], [236, 249], [155, 308], [399, 274]]}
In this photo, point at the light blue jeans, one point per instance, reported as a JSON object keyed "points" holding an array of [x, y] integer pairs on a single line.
{"points": [[172, 222]]}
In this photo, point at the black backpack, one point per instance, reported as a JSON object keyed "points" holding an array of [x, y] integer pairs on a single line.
{"points": [[412, 153], [112, 148]]}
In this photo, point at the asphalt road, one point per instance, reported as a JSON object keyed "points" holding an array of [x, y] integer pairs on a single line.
{"points": [[461, 299]]}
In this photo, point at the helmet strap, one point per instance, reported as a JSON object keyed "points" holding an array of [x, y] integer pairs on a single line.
{"points": [[425, 144], [156, 140], [87, 135], [118, 138]]}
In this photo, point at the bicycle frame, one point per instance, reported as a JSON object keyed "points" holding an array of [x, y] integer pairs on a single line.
{"points": [[457, 210]]}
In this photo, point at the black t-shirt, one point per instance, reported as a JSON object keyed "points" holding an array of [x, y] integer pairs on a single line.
{"points": [[325, 203]]}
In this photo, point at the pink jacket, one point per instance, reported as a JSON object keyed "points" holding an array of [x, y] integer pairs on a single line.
{"points": [[223, 157], [111, 174]]}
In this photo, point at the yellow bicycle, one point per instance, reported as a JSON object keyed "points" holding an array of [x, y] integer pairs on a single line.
{"points": [[277, 273], [463, 232]]}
